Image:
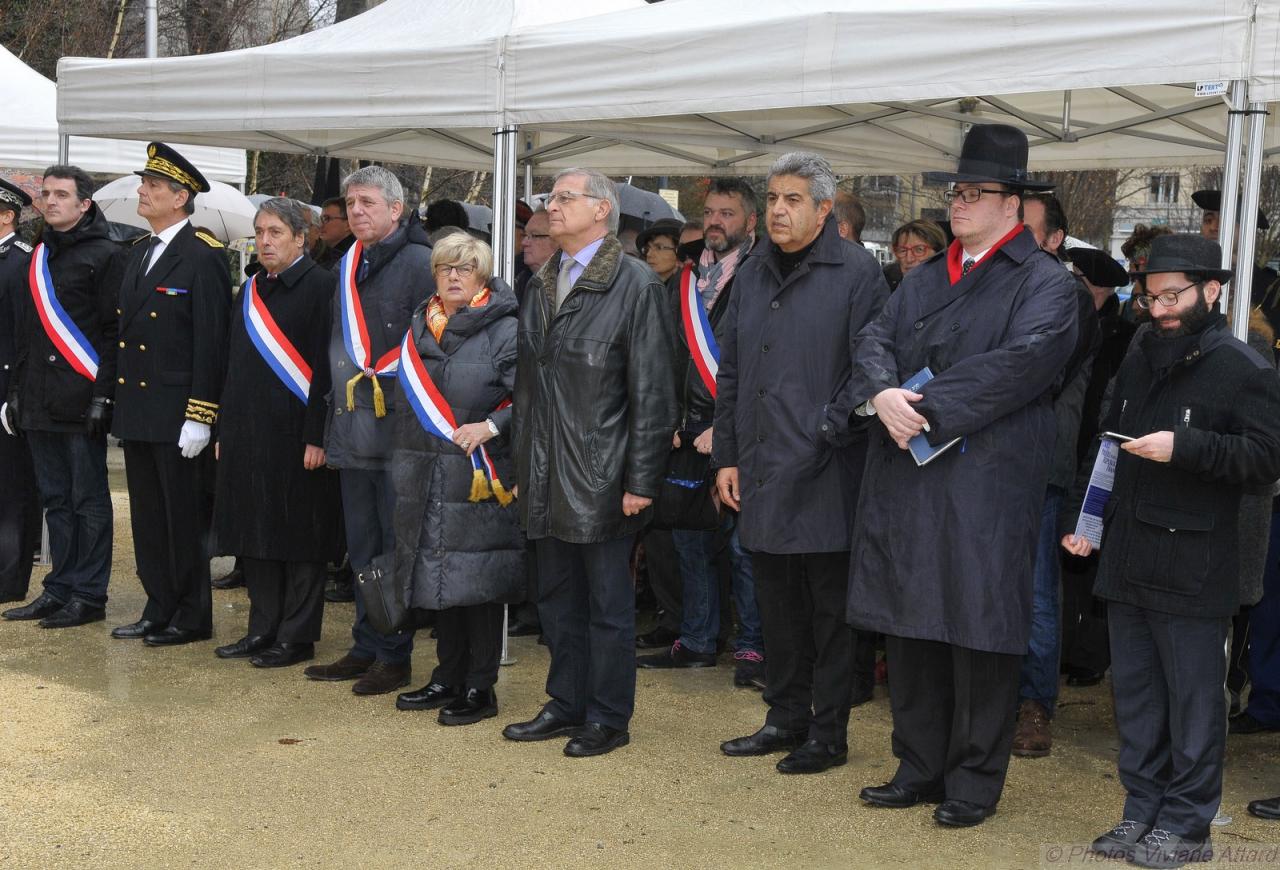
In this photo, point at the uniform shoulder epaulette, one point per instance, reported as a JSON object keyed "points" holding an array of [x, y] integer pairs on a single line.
{"points": [[22, 246], [208, 239]]}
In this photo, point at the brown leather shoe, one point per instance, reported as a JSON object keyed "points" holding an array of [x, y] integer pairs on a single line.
{"points": [[1033, 737], [382, 678], [346, 668]]}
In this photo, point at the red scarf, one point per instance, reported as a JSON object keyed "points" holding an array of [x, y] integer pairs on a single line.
{"points": [[955, 255]]}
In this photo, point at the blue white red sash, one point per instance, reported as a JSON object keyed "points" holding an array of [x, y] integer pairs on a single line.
{"points": [[697, 331], [436, 417], [355, 334], [276, 349], [58, 325]]}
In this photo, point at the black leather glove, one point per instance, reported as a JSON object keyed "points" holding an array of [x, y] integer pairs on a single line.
{"points": [[97, 420], [10, 410]]}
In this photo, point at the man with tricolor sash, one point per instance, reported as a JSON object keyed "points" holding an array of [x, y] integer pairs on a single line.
{"points": [[19, 508], [174, 304], [62, 393], [703, 291], [382, 277]]}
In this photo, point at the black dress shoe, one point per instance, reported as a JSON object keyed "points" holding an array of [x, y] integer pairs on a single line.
{"points": [[961, 814], [520, 628], [813, 756], [595, 739], [677, 656], [544, 726], [233, 579], [475, 705], [282, 655], [897, 797], [44, 605], [1247, 724], [174, 636], [765, 741], [244, 647], [1268, 808], [1078, 676], [429, 697], [656, 639], [75, 613], [341, 590], [136, 630]]}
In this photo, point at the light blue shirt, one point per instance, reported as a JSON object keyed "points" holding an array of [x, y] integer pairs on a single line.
{"points": [[582, 259]]}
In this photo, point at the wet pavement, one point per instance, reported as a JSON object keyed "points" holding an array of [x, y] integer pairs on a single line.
{"points": [[116, 755]]}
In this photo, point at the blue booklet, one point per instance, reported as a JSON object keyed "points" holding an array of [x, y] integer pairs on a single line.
{"points": [[921, 450]]}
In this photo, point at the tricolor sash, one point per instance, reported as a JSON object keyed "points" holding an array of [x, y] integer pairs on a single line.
{"points": [[58, 325], [436, 417], [697, 331], [276, 349], [355, 335]]}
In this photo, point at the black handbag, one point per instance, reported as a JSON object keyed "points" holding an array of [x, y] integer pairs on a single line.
{"points": [[684, 499], [385, 598]]}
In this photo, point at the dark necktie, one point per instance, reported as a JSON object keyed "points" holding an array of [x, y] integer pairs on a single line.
{"points": [[967, 267], [363, 271], [151, 253]]}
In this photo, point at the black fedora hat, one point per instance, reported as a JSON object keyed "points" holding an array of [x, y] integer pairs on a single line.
{"points": [[1211, 200], [12, 195], [1098, 267], [665, 227], [1189, 253], [993, 152]]}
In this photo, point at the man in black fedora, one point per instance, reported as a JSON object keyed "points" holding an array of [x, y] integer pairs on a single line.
{"points": [[1265, 289], [1203, 412], [174, 305], [942, 553]]}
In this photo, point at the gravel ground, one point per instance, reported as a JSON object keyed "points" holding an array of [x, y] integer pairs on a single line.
{"points": [[115, 755]]}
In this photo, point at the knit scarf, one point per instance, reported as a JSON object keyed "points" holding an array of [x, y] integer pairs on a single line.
{"points": [[714, 275], [437, 320]]}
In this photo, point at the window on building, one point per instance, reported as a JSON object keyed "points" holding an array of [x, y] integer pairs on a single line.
{"points": [[1162, 189]]}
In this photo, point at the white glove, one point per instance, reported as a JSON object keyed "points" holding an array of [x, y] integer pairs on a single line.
{"points": [[4, 418], [194, 438]]}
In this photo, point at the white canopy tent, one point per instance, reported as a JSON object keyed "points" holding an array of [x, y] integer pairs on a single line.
{"points": [[29, 134]]}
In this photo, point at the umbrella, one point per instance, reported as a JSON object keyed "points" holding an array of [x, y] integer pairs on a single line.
{"points": [[645, 205], [479, 216], [223, 211]]}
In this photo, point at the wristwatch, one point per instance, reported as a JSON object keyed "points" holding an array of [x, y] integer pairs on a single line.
{"points": [[493, 428]]}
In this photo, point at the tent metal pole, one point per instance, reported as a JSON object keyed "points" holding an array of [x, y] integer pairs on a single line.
{"points": [[1243, 280], [1227, 218], [528, 181], [1066, 116], [153, 28], [64, 148], [503, 233]]}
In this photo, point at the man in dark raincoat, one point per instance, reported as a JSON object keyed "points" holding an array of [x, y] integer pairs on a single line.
{"points": [[943, 552]]}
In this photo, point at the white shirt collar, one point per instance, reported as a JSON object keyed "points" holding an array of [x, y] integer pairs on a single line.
{"points": [[166, 235], [6, 238], [977, 258]]}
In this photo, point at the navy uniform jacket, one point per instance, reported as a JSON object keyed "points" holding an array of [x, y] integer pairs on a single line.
{"points": [[173, 335], [15, 256]]}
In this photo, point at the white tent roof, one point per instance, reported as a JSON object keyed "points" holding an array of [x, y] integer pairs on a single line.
{"points": [[708, 86], [29, 134]]}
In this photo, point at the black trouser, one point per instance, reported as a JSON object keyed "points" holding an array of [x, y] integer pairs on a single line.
{"points": [[167, 507], [953, 717], [1084, 618], [586, 602], [468, 646], [19, 518], [1167, 674], [286, 599], [664, 578], [808, 646], [527, 611]]}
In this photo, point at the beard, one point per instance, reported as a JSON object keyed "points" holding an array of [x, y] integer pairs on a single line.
{"points": [[1190, 321], [730, 241]]}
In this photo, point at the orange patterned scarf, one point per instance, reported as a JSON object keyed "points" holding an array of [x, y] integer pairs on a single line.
{"points": [[437, 320]]}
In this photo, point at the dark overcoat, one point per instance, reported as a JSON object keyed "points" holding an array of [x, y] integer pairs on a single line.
{"points": [[267, 505], [455, 552], [945, 551], [172, 354], [782, 415]]}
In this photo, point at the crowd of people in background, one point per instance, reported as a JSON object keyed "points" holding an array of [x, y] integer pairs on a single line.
{"points": [[836, 472]]}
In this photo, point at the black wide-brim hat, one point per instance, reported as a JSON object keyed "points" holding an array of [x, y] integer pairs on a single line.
{"points": [[664, 227], [996, 153], [1098, 267], [13, 195], [1189, 253], [164, 162], [1211, 200]]}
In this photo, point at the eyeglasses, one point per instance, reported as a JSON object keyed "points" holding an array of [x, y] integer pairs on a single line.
{"points": [[464, 271], [971, 194], [564, 197], [1168, 298], [656, 247], [914, 250], [529, 235], [326, 218]]}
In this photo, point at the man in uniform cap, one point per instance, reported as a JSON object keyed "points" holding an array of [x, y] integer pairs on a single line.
{"points": [[62, 392], [174, 306], [942, 555], [19, 510]]}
